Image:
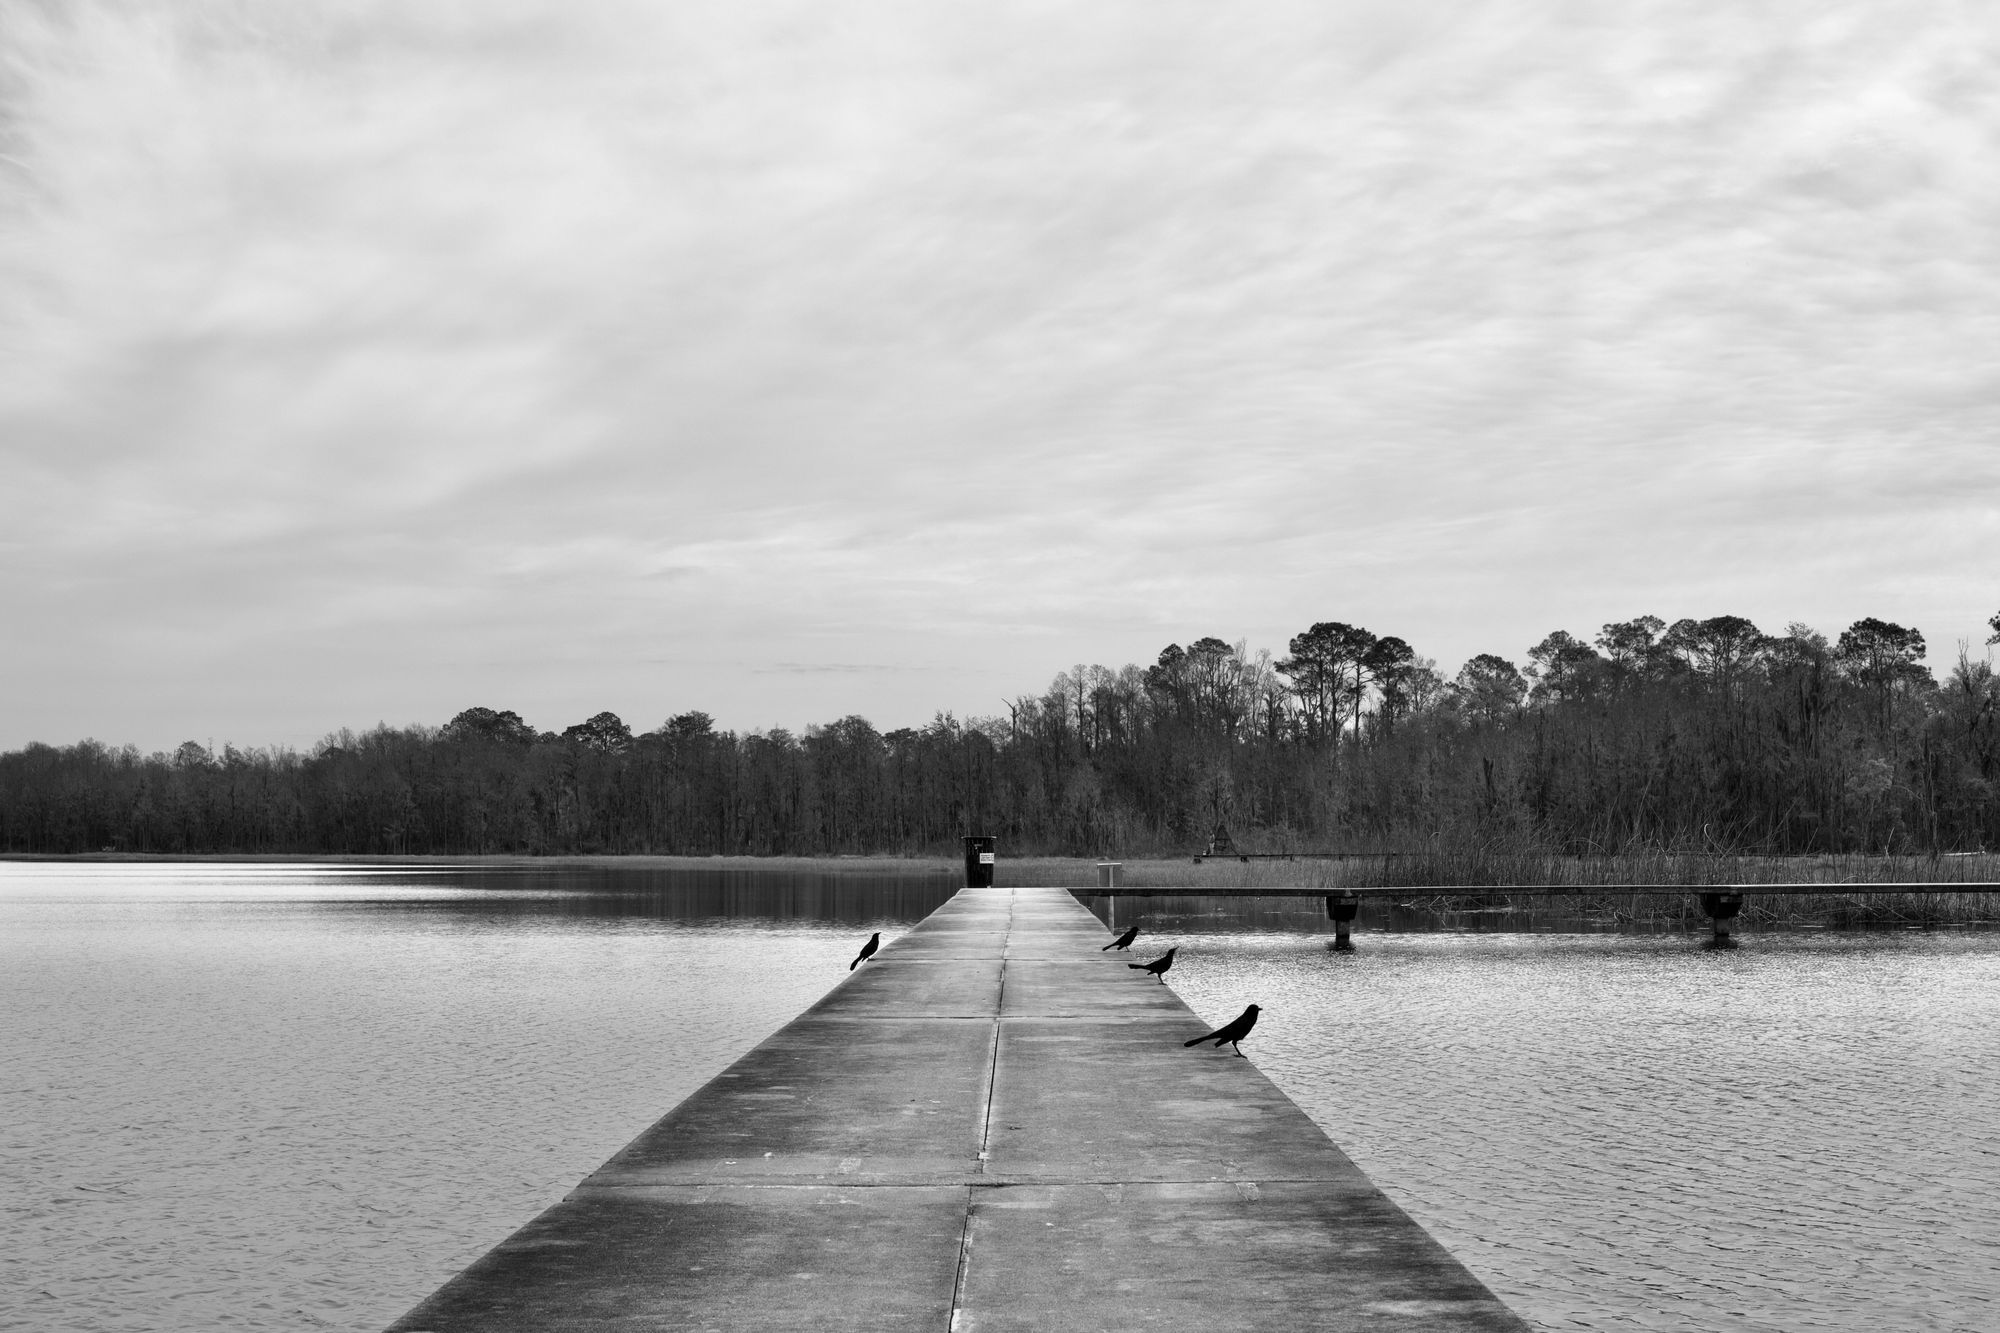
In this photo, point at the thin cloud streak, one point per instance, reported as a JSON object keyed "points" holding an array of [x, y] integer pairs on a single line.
{"points": [[844, 668], [343, 346]]}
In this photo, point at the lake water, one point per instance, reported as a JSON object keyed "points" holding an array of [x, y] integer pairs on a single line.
{"points": [[294, 1097], [1636, 1131]]}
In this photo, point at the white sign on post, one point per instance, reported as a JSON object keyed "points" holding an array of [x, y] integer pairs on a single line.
{"points": [[986, 858]]}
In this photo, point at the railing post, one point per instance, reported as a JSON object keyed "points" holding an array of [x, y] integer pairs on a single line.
{"points": [[1341, 909]]}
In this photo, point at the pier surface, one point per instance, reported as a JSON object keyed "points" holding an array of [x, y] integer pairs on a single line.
{"points": [[990, 1126]]}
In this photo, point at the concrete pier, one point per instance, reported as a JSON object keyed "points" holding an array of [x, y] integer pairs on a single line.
{"points": [[990, 1126]]}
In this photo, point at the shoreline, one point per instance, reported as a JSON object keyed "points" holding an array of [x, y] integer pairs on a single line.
{"points": [[1849, 900], [498, 860]]}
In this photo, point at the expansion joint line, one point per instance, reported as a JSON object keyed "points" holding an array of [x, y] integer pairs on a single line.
{"points": [[993, 1064], [985, 1127]]}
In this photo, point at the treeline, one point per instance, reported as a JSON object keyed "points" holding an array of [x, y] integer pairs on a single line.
{"points": [[1704, 735]]}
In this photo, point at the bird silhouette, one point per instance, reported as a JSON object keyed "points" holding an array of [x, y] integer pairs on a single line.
{"points": [[1121, 941], [867, 950], [1158, 967], [1235, 1030]]}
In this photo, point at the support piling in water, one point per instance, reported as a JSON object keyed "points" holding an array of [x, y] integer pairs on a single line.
{"points": [[1341, 909], [1722, 910]]}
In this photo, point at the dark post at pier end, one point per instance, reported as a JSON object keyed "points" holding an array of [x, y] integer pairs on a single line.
{"points": [[980, 854], [1722, 909], [1341, 909]]}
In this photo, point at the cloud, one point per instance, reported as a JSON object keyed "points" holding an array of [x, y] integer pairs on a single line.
{"points": [[356, 360], [841, 668]]}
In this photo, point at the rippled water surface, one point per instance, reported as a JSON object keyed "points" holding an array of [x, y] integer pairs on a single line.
{"points": [[256, 1097], [282, 1098], [1634, 1131]]}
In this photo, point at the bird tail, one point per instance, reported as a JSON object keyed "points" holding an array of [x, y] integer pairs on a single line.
{"points": [[1198, 1040], [1136, 967], [1107, 948], [856, 963]]}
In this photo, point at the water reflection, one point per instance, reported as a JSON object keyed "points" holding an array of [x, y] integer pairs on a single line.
{"points": [[1246, 914], [281, 1097], [741, 896], [677, 893], [1307, 916]]}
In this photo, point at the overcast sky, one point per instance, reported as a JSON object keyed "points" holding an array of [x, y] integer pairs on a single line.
{"points": [[364, 362]]}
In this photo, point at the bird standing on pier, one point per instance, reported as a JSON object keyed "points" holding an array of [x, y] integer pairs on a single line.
{"points": [[1122, 940], [1158, 967], [867, 950], [1235, 1030]]}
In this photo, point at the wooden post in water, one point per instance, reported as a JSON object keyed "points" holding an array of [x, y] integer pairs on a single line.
{"points": [[1722, 909], [1341, 909]]}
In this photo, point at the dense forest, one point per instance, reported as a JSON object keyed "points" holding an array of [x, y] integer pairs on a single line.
{"points": [[1704, 735]]}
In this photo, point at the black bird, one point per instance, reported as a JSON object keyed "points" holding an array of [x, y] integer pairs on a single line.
{"points": [[867, 950], [1235, 1030], [1122, 940], [1158, 967]]}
